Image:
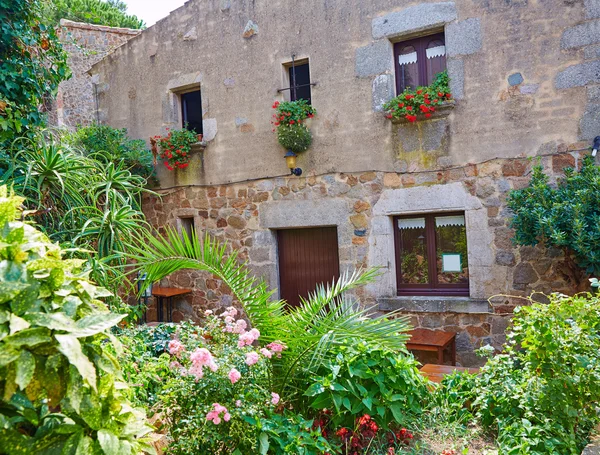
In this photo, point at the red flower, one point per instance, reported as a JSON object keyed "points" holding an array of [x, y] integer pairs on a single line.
{"points": [[435, 100], [409, 108], [432, 109], [275, 104], [427, 101], [448, 95], [411, 118], [311, 115], [388, 116], [364, 419], [427, 115], [440, 94], [419, 92], [423, 108], [409, 97], [277, 124], [400, 104], [342, 432]]}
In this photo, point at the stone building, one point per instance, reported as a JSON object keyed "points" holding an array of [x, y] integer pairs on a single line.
{"points": [[85, 44], [524, 77]]}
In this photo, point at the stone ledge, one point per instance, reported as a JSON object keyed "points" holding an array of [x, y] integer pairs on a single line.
{"points": [[99, 28], [441, 111], [199, 146], [434, 304]]}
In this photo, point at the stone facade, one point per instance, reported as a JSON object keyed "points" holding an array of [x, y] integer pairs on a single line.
{"points": [[523, 75], [86, 44]]}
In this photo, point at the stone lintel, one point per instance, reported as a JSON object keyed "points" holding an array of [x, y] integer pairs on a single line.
{"points": [[413, 19], [430, 304]]}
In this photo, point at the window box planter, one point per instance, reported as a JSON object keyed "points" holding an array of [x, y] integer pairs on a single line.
{"points": [[441, 111]]}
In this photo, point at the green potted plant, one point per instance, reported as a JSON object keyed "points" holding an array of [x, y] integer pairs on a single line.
{"points": [[420, 103], [175, 147]]}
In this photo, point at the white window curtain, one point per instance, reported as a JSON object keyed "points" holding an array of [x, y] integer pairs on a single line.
{"points": [[437, 51], [407, 59], [454, 220], [411, 223]]}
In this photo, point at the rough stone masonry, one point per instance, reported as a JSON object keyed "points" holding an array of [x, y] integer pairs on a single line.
{"points": [[525, 78]]}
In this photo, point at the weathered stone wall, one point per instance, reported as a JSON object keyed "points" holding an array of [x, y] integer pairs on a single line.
{"points": [[503, 59], [86, 44], [244, 215]]}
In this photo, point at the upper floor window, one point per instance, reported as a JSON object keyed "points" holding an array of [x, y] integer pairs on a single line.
{"points": [[297, 80], [191, 111], [419, 60], [431, 254]]}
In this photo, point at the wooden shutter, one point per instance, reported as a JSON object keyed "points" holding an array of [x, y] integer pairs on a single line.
{"points": [[307, 257]]}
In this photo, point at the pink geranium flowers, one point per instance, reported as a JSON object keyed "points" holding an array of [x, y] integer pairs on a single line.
{"points": [[215, 414]]}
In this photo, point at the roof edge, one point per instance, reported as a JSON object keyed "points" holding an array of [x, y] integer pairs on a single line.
{"points": [[100, 28]]}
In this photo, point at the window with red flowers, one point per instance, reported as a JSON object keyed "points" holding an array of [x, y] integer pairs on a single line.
{"points": [[191, 111], [419, 60], [431, 254]]}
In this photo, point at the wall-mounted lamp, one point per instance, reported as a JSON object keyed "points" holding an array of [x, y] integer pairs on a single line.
{"points": [[290, 160], [596, 145]]}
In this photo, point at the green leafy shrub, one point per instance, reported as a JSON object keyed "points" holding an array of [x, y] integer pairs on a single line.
{"points": [[110, 12], [61, 390], [564, 216], [366, 379], [296, 138], [112, 145], [541, 393], [291, 434], [203, 367], [32, 64]]}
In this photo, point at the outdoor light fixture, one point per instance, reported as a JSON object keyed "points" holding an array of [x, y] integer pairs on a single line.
{"points": [[596, 145], [290, 160]]}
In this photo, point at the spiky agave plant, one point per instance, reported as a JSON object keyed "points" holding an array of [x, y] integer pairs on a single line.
{"points": [[327, 318]]}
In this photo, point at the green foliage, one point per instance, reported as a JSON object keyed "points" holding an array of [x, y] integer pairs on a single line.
{"points": [[296, 138], [329, 317], [61, 390], [32, 64], [112, 13], [365, 379], [541, 393], [110, 145], [564, 216], [168, 382], [290, 434], [420, 102], [176, 148], [90, 206]]}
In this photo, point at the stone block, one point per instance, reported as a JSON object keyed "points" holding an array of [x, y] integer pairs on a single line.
{"points": [[383, 91], [515, 79], [591, 52], [373, 59], [505, 258], [209, 127], [524, 274], [456, 72], [433, 134], [303, 213], [581, 35], [589, 125], [413, 19], [191, 34], [529, 89], [560, 162], [463, 37], [578, 75], [250, 30]]}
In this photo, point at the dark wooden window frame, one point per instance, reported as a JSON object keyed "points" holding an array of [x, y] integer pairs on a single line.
{"points": [[420, 45], [432, 288]]}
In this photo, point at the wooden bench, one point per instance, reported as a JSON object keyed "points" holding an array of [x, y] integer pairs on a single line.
{"points": [[436, 373], [433, 341]]}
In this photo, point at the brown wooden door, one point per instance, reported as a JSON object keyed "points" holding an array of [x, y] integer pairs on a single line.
{"points": [[307, 257]]}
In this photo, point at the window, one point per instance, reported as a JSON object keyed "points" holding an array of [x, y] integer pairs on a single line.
{"points": [[187, 225], [297, 74], [431, 254], [191, 111], [419, 60]]}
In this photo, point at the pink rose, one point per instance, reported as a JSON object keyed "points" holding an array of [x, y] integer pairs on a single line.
{"points": [[275, 398], [268, 354], [176, 347], [251, 358], [234, 375]]}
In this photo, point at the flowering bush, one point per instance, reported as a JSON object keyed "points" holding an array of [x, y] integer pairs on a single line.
{"points": [[175, 147], [289, 119], [421, 102]]}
